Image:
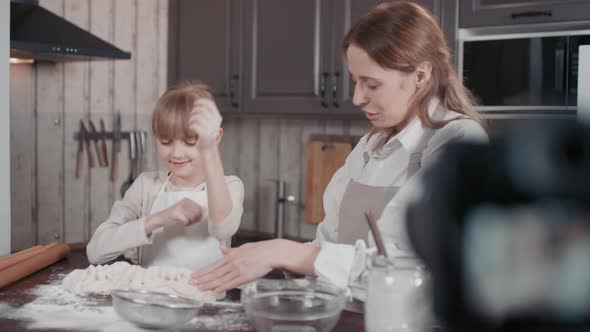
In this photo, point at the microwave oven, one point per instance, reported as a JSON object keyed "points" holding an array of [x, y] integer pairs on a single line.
{"points": [[522, 70]]}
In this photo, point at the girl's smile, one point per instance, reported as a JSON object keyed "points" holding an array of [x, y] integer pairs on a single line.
{"points": [[179, 163], [183, 160]]}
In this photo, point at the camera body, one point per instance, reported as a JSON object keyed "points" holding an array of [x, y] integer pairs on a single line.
{"points": [[505, 230]]}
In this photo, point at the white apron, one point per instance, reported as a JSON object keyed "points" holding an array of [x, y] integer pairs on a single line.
{"points": [[177, 245]]}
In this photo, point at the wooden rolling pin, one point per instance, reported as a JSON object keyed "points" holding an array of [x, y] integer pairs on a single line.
{"points": [[23, 255], [49, 255], [2, 259]]}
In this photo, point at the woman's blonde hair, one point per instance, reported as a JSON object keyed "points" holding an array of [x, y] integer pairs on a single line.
{"points": [[171, 116], [401, 35]]}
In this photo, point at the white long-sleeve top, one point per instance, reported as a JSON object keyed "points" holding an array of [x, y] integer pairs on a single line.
{"points": [[124, 230], [345, 265]]}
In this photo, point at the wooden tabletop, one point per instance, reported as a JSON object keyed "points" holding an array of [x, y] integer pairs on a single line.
{"points": [[17, 295]]}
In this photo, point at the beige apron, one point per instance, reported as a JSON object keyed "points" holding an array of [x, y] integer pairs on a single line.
{"points": [[358, 198]]}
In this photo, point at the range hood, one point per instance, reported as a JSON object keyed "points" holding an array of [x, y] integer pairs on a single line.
{"points": [[36, 33]]}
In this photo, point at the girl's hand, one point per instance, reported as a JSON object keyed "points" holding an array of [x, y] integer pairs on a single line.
{"points": [[185, 211], [238, 266], [205, 121]]}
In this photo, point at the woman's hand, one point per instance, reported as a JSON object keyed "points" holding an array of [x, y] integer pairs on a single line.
{"points": [[205, 121], [239, 266], [185, 211]]}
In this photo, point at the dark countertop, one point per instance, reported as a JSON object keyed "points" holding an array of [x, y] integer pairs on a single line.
{"points": [[18, 294]]}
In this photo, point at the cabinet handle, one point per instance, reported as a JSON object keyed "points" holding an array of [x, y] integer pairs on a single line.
{"points": [[323, 82], [532, 14], [335, 77], [559, 69], [232, 89]]}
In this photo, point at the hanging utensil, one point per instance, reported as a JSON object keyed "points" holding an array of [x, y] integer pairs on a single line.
{"points": [[116, 147], [94, 137], [80, 153], [138, 155], [132, 156], [91, 162], [103, 144]]}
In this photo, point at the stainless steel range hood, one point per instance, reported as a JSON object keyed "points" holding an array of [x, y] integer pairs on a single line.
{"points": [[36, 33]]}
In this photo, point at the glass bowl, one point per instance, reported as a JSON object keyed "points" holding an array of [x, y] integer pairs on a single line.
{"points": [[154, 310], [301, 305]]}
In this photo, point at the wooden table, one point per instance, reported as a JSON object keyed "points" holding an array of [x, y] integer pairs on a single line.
{"points": [[17, 295]]}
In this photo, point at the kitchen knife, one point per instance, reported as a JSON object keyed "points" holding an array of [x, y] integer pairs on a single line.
{"points": [[103, 144], [80, 153], [142, 148], [116, 146], [94, 137], [91, 162]]}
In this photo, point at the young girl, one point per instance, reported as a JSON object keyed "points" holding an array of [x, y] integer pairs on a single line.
{"points": [[181, 217]]}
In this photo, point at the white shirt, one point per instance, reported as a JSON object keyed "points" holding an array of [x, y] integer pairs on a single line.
{"points": [[345, 265]]}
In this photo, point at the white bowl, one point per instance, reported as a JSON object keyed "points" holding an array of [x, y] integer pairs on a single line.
{"points": [[301, 305], [154, 310]]}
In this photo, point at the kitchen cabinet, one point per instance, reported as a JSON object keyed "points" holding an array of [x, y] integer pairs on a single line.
{"points": [[292, 57], [480, 13], [347, 12], [205, 45], [269, 56]]}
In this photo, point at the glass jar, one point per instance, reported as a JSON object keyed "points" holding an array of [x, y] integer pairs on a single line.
{"points": [[397, 295]]}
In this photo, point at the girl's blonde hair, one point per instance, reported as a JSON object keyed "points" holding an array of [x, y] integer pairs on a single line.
{"points": [[401, 35], [171, 116]]}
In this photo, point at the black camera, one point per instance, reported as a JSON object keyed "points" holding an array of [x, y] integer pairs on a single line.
{"points": [[505, 230]]}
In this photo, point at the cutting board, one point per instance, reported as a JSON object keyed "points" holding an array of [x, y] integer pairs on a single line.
{"points": [[325, 155]]}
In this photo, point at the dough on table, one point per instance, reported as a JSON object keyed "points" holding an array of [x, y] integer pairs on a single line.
{"points": [[102, 279]]}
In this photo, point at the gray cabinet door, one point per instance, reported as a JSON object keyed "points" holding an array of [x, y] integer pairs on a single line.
{"points": [[479, 13], [346, 13], [284, 56], [205, 45]]}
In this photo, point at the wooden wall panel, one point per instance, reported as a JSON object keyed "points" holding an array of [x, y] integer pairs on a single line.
{"points": [[161, 63], [290, 171], [147, 73], [266, 194], [49, 101], [22, 161], [76, 107], [248, 170], [124, 90], [162, 38], [358, 128], [229, 147], [101, 94], [50, 151]]}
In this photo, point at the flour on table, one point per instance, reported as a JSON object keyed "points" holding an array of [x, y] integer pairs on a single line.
{"points": [[54, 308], [102, 279]]}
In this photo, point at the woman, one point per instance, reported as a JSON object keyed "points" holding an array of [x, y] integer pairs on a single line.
{"points": [[408, 90]]}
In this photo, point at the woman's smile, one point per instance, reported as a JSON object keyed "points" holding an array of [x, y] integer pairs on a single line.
{"points": [[371, 116]]}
